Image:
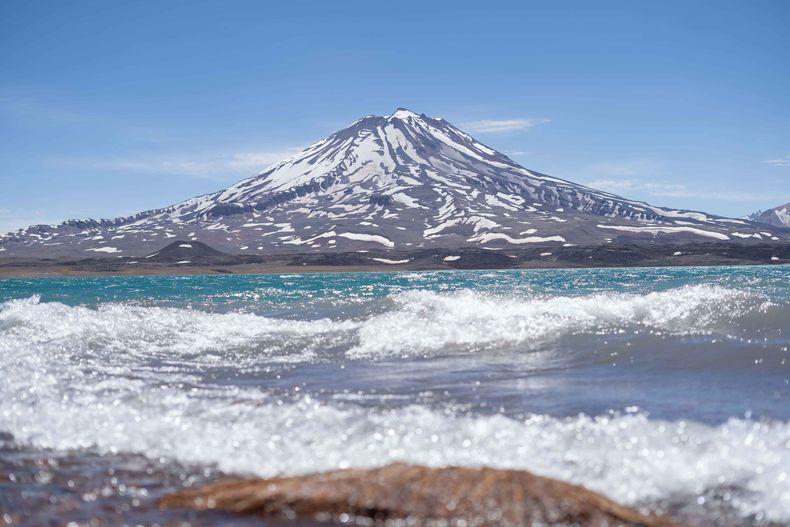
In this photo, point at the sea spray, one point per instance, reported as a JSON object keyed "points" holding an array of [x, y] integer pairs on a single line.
{"points": [[659, 388]]}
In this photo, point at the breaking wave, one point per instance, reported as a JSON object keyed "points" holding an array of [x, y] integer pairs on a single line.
{"points": [[424, 321], [629, 458], [127, 378], [136, 331], [410, 323]]}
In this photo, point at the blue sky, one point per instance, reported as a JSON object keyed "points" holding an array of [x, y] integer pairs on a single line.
{"points": [[109, 108]]}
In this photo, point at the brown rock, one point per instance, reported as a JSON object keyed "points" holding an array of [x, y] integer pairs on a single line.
{"points": [[418, 496]]}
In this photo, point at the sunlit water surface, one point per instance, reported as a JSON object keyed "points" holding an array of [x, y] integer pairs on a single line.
{"points": [[665, 389]]}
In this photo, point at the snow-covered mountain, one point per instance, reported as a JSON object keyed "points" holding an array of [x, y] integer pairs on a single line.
{"points": [[777, 216], [400, 182]]}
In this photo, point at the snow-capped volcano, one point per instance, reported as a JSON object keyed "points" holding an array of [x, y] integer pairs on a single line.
{"points": [[401, 182]]}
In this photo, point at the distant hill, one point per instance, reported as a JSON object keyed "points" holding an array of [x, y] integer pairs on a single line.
{"points": [[185, 250], [777, 216]]}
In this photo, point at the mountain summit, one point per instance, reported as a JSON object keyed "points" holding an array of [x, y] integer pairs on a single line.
{"points": [[401, 181], [777, 216]]}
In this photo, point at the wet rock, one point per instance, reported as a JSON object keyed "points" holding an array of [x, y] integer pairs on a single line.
{"points": [[402, 494]]}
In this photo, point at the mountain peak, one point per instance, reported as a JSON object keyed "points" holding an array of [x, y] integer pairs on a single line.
{"points": [[777, 216], [399, 182], [403, 113]]}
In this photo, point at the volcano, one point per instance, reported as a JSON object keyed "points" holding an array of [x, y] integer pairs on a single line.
{"points": [[399, 182]]}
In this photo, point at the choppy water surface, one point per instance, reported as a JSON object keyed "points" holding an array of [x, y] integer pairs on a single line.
{"points": [[665, 389]]}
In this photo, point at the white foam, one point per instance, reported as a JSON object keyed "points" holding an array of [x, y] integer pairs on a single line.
{"points": [[630, 458], [153, 331], [419, 322], [424, 321], [435, 318], [128, 378]]}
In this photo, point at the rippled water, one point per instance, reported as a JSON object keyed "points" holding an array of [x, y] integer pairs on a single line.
{"points": [[662, 388]]}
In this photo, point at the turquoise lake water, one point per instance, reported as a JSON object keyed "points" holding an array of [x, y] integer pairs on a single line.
{"points": [[664, 388]]}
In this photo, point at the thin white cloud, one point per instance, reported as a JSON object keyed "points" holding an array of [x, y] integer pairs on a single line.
{"points": [[218, 167], [781, 162], [31, 110], [673, 190], [499, 126], [623, 176], [644, 177], [624, 168], [13, 220], [618, 186], [259, 160], [736, 195], [38, 113]]}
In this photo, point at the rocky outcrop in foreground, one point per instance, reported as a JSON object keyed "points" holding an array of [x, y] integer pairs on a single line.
{"points": [[416, 496]]}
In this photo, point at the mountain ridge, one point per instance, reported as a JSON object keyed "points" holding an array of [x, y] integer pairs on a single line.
{"points": [[401, 181], [777, 216]]}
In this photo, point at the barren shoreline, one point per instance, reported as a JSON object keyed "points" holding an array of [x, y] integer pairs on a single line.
{"points": [[654, 255]]}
